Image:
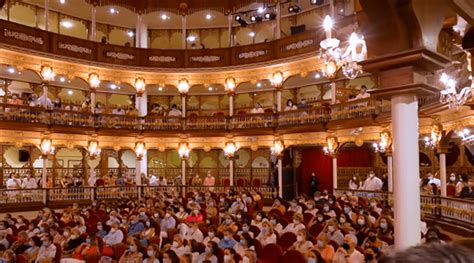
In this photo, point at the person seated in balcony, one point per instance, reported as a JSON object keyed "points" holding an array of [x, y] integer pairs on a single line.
{"points": [[162, 181], [290, 106], [303, 104], [15, 100], [174, 112], [118, 111], [157, 110], [104, 40], [57, 105], [209, 181], [153, 180], [86, 105], [13, 182], [468, 191], [99, 108], [196, 181], [132, 111], [362, 93], [372, 183], [258, 109], [32, 100], [44, 101]]}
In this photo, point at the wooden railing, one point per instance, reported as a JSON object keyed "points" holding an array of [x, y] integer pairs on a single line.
{"points": [[307, 116], [33, 199], [451, 210]]}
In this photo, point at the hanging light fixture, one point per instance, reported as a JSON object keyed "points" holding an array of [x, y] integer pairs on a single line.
{"points": [[384, 144], [230, 149], [140, 150], [183, 86], [183, 150], [450, 95], [230, 84], [140, 86], [277, 148], [46, 147], [466, 136], [47, 73], [335, 58], [277, 79], [331, 146], [93, 149], [94, 80], [434, 138]]}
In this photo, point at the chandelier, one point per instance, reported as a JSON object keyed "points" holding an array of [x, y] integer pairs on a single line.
{"points": [[46, 147], [466, 136], [277, 148], [462, 72], [183, 150], [335, 58], [434, 138], [230, 149], [331, 146], [140, 150], [93, 149], [384, 144]]}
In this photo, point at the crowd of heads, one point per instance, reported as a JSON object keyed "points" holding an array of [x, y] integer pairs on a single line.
{"points": [[207, 227]]}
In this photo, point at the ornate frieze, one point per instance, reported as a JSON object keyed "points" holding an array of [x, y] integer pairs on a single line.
{"points": [[206, 59], [162, 59], [119, 55], [22, 36], [252, 54], [75, 48], [299, 45]]}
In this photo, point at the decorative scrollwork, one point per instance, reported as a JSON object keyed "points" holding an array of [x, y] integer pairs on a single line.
{"points": [[119, 55], [22, 36], [166, 59], [75, 48], [252, 54], [299, 45], [206, 59]]}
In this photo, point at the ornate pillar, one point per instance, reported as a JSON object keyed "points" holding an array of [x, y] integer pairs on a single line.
{"points": [[93, 33], [230, 19], [277, 29], [46, 15], [183, 30]]}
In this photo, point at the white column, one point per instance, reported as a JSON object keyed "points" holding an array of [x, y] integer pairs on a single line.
{"points": [[442, 173], [93, 33], [45, 95], [138, 31], [92, 101], [140, 167], [406, 192], [230, 18], [333, 92], [46, 15], [44, 170], [279, 100], [280, 177], [231, 172], [231, 105], [141, 104], [277, 32], [183, 106], [183, 30], [390, 173], [141, 37], [334, 172], [183, 176]]}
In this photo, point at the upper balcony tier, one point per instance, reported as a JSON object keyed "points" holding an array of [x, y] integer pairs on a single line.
{"points": [[51, 45]]}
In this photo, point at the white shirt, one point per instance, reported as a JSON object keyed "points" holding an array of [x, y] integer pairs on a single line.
{"points": [[288, 108], [191, 234], [180, 251], [174, 113], [372, 184], [435, 181], [208, 238], [292, 227], [362, 96], [113, 238], [46, 252], [13, 183], [29, 183], [257, 111], [355, 257], [153, 181]]}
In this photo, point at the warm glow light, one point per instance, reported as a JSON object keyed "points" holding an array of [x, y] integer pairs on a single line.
{"points": [[47, 73], [208, 16], [164, 17], [62, 2], [277, 148], [11, 70], [140, 86], [94, 80], [252, 34], [69, 92], [93, 149], [192, 38], [331, 146], [140, 150], [277, 79], [230, 149], [183, 150], [46, 147], [130, 33], [183, 86], [331, 69], [67, 24], [230, 84], [327, 23]]}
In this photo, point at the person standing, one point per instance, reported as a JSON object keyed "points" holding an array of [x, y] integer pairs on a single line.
{"points": [[209, 181], [313, 184], [372, 183]]}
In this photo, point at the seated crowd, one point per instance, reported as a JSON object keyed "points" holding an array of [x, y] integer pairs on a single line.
{"points": [[206, 227]]}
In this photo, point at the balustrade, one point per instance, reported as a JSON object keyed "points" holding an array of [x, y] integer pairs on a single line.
{"points": [[251, 121], [304, 116], [354, 109]]}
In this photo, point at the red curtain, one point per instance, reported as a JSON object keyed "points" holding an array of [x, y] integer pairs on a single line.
{"points": [[314, 160]]}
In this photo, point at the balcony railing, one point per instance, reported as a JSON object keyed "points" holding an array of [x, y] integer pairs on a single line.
{"points": [[307, 116]]}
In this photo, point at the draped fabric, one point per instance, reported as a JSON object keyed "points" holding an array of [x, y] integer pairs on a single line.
{"points": [[314, 160]]}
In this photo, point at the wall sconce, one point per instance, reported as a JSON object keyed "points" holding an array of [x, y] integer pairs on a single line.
{"points": [[93, 149], [46, 147], [94, 80], [140, 86], [230, 84], [331, 146], [140, 150], [47, 73], [183, 150], [230, 149], [435, 136], [183, 86], [277, 79], [277, 148]]}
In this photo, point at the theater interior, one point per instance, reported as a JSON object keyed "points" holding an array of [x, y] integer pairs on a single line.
{"points": [[229, 131]]}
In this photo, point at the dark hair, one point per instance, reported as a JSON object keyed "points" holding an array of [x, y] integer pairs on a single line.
{"points": [[172, 255], [435, 252], [319, 258], [215, 248]]}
